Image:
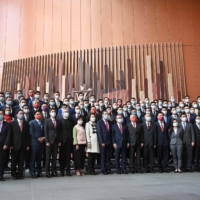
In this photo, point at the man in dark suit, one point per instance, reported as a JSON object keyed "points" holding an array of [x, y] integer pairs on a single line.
{"points": [[76, 115], [9, 103], [188, 143], [20, 143], [149, 135], [45, 113], [104, 132], [52, 129], [153, 117], [4, 143], [166, 118], [93, 111], [120, 143], [22, 102], [58, 102], [2, 99], [31, 96], [16, 101], [36, 128], [92, 101], [197, 139], [32, 103], [162, 143], [190, 116], [67, 125], [136, 142]]}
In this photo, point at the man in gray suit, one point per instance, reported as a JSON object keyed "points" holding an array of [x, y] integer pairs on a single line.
{"points": [[188, 143]]}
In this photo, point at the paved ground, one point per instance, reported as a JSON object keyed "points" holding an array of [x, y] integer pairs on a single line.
{"points": [[185, 186]]}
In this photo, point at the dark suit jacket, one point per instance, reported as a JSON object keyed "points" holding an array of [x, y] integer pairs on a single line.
{"points": [[135, 134], [176, 138], [66, 129], [36, 131], [149, 135], [162, 136], [73, 117], [104, 135], [61, 103], [192, 118], [50, 131], [188, 136], [19, 139], [120, 139], [5, 133], [197, 135]]}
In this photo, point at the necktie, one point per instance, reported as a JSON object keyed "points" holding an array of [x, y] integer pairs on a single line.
{"points": [[134, 125], [54, 123], [162, 127], [148, 125], [40, 124], [45, 115], [165, 119], [184, 126], [120, 128], [0, 126], [107, 126], [20, 125], [188, 118]]}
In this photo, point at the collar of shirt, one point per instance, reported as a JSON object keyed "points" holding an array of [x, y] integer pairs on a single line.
{"points": [[20, 121], [119, 125], [134, 124], [1, 122]]}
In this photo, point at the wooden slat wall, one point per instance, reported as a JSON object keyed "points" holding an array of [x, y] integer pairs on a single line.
{"points": [[112, 66]]}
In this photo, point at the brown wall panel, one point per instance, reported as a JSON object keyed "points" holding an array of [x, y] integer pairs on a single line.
{"points": [[195, 14], [117, 23], [139, 21], [106, 26]]}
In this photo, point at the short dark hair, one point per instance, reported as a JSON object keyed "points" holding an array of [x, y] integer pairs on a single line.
{"points": [[17, 111]]}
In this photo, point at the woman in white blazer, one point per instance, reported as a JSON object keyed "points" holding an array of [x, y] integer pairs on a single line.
{"points": [[92, 143]]}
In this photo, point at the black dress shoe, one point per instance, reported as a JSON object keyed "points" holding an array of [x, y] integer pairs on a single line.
{"points": [[48, 176], [92, 173], [147, 171], [68, 174], [139, 171], [33, 176], [15, 178], [166, 170], [118, 172], [2, 179], [132, 171], [21, 177], [124, 172], [54, 174], [40, 175], [109, 172], [152, 171], [104, 173]]}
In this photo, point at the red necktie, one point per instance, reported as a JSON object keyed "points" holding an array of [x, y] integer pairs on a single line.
{"points": [[188, 118], [134, 125], [161, 126], [20, 125], [148, 126], [120, 128], [54, 123], [107, 126]]}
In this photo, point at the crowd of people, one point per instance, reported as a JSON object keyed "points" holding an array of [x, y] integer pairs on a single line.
{"points": [[35, 131]]}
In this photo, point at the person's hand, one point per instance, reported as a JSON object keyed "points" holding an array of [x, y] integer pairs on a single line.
{"points": [[11, 147], [115, 146], [142, 145], [89, 146], [27, 148], [103, 144], [77, 147], [192, 143], [48, 144], [5, 147], [127, 145], [59, 144], [154, 146]]}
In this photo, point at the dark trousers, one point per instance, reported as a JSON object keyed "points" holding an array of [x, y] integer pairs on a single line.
{"points": [[2, 159], [91, 160], [18, 157], [197, 155], [105, 157], [187, 156], [148, 156], [132, 151], [163, 156], [79, 156], [36, 157], [51, 151], [122, 151], [65, 151]]}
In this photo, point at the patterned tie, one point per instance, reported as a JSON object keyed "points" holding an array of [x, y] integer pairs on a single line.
{"points": [[120, 128], [107, 125], [188, 118], [162, 127]]}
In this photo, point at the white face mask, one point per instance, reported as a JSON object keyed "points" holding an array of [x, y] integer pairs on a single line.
{"points": [[181, 105], [175, 124], [148, 119], [174, 112], [77, 111], [7, 112], [187, 110], [93, 119], [66, 102], [81, 97], [119, 121], [53, 114], [26, 111], [66, 114], [184, 119], [80, 122], [97, 107], [46, 98], [57, 96], [198, 121], [164, 112], [195, 105]]}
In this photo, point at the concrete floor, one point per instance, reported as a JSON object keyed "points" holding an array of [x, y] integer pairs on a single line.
{"points": [[111, 187]]}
